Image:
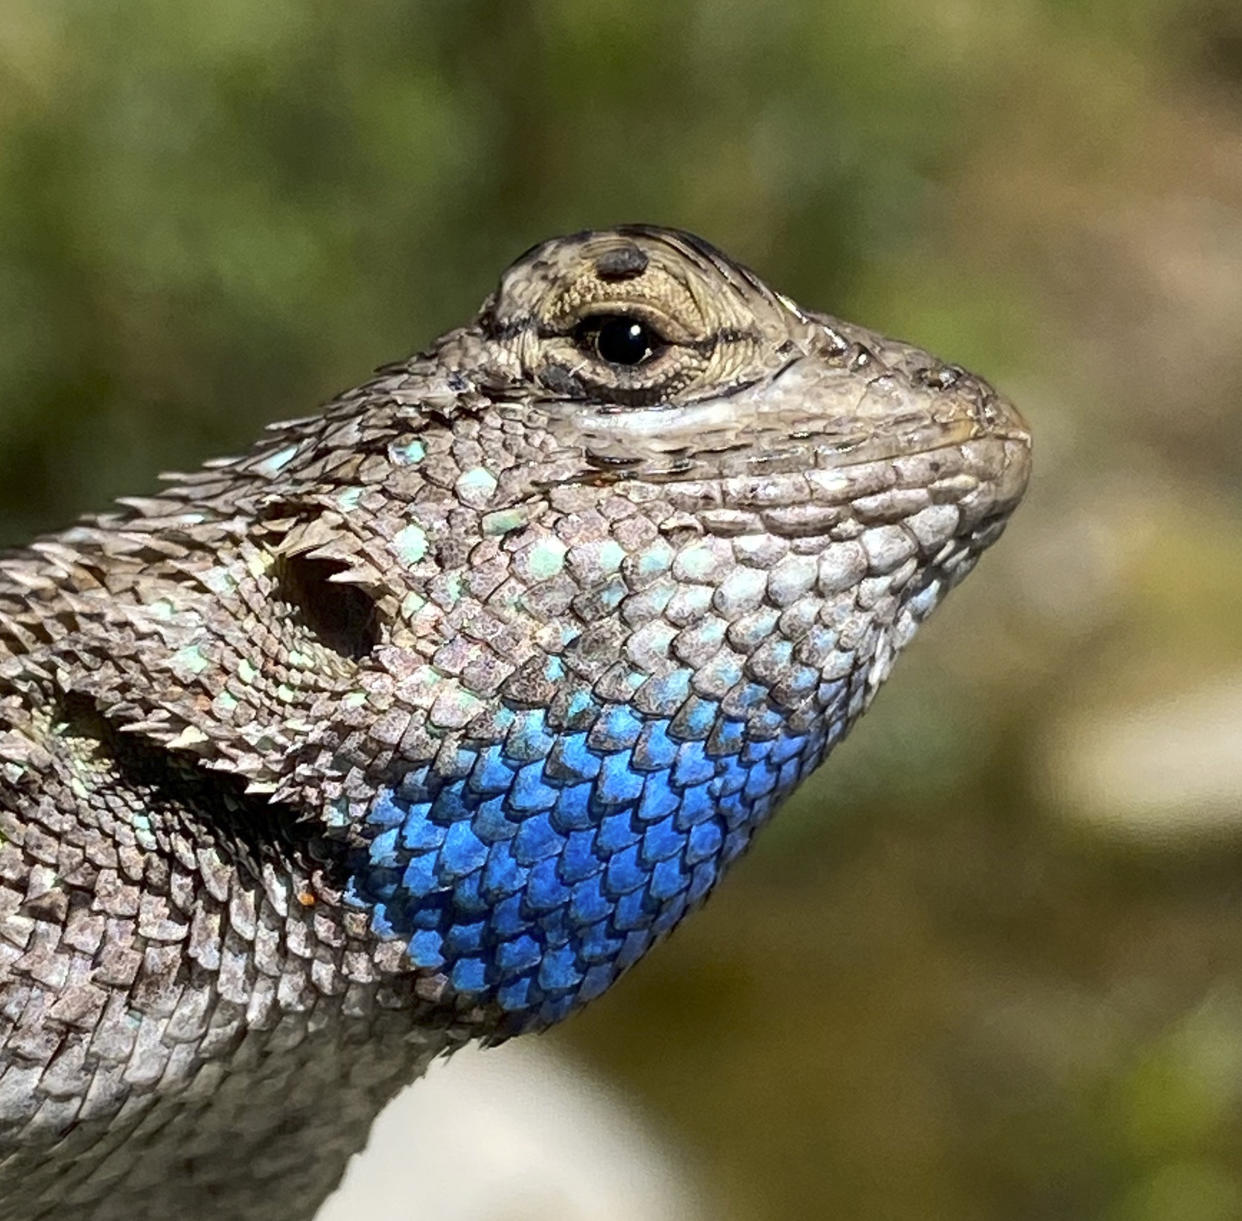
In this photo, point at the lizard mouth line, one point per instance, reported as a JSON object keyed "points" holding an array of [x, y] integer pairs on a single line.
{"points": [[781, 456], [854, 454]]}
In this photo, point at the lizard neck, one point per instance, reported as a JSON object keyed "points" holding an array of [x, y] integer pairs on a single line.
{"points": [[270, 1125], [179, 968]]}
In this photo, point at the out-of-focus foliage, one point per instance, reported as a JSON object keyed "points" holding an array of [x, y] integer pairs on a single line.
{"points": [[990, 964]]}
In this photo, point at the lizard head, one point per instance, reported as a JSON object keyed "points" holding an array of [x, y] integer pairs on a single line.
{"points": [[683, 527], [539, 626]]}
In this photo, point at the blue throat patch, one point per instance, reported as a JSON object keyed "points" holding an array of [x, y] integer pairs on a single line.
{"points": [[550, 861]]}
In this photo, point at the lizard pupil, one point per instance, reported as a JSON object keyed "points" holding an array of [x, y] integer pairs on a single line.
{"points": [[622, 341]]}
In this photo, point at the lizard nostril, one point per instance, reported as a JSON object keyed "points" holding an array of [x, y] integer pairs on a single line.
{"points": [[340, 616]]}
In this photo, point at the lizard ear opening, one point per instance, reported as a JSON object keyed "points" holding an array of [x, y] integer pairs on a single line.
{"points": [[340, 616]]}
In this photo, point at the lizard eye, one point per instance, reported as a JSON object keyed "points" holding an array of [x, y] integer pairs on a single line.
{"points": [[618, 340]]}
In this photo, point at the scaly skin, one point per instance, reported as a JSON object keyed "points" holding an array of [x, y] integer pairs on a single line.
{"points": [[423, 720]]}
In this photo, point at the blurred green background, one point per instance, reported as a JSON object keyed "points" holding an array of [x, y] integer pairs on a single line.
{"points": [[989, 963]]}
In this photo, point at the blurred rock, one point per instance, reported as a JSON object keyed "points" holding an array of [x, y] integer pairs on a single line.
{"points": [[515, 1133], [1167, 770]]}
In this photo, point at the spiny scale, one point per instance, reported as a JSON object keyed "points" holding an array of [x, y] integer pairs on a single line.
{"points": [[425, 719]]}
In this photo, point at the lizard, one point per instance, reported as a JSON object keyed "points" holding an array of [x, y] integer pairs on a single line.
{"points": [[424, 719]]}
